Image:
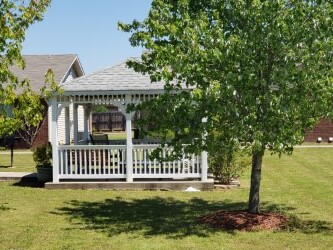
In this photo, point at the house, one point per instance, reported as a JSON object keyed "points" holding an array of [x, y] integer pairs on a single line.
{"points": [[65, 68], [322, 132], [81, 160]]}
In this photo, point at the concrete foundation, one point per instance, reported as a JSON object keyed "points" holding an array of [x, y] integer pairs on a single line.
{"points": [[17, 176], [146, 185]]}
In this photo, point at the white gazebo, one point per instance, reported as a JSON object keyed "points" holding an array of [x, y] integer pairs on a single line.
{"points": [[80, 161]]}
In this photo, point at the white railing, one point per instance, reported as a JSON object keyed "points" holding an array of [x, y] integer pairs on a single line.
{"points": [[109, 162], [92, 161], [144, 167]]}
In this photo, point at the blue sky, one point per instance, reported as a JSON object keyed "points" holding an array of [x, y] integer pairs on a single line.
{"points": [[87, 28]]}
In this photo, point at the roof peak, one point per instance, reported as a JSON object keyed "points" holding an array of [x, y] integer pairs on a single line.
{"points": [[118, 77]]}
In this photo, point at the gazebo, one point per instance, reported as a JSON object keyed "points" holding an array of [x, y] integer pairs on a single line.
{"points": [[80, 161]]}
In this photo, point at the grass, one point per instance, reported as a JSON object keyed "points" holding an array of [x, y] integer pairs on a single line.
{"points": [[118, 135], [299, 186], [22, 162]]}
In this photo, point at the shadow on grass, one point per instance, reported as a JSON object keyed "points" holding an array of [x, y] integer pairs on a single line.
{"points": [[5, 166], [4, 207], [162, 216], [154, 216], [29, 183], [296, 224], [309, 226]]}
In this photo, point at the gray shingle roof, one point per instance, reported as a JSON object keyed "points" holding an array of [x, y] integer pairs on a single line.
{"points": [[37, 66], [116, 78]]}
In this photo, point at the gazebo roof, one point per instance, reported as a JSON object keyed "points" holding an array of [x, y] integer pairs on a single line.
{"points": [[115, 78]]}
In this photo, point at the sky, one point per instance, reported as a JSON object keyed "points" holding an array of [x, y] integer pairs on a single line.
{"points": [[86, 28]]}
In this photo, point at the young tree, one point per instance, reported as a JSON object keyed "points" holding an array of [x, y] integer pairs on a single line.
{"points": [[261, 72], [30, 108], [15, 18]]}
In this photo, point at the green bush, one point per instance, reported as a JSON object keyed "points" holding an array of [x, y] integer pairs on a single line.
{"points": [[227, 163], [42, 155]]}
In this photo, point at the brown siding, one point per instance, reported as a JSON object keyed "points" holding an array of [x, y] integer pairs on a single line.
{"points": [[42, 137], [324, 129]]}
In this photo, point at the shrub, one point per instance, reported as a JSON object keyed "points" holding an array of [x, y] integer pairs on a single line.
{"points": [[227, 163], [42, 155]]}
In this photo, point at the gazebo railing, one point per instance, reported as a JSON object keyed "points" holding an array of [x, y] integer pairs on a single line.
{"points": [[144, 167], [109, 162], [92, 161]]}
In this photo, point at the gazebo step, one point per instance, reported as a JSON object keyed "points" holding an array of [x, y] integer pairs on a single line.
{"points": [[147, 185]]}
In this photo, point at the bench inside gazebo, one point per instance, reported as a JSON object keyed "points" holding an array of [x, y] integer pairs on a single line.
{"points": [[84, 163]]}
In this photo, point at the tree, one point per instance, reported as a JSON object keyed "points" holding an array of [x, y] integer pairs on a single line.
{"points": [[30, 108], [15, 19], [261, 72]]}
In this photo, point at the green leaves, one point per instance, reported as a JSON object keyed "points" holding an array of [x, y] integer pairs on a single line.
{"points": [[261, 70], [15, 18]]}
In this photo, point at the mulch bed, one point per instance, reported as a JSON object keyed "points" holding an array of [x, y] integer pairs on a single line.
{"points": [[244, 221]]}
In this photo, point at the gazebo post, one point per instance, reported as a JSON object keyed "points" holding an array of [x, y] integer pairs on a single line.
{"points": [[129, 148], [204, 165], [129, 143], [67, 127], [86, 109], [204, 157], [55, 157], [76, 124]]}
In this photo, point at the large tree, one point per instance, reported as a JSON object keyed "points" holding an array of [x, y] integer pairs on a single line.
{"points": [[261, 72], [16, 16]]}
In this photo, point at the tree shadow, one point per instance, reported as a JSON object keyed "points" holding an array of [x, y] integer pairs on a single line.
{"points": [[29, 183], [266, 206], [157, 216], [309, 226], [4, 207], [6, 166], [153, 216]]}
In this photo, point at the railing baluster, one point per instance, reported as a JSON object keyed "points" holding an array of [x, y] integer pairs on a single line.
{"points": [[114, 162], [144, 161], [150, 165], [66, 163], [80, 160], [75, 162], [95, 161], [85, 161], [104, 162], [98, 159], [163, 163], [109, 160], [89, 161], [134, 161], [121, 162], [71, 161], [61, 162]]}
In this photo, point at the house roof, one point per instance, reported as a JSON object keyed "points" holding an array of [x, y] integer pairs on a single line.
{"points": [[37, 66], [116, 78]]}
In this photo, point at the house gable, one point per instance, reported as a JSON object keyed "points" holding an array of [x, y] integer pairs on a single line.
{"points": [[63, 66]]}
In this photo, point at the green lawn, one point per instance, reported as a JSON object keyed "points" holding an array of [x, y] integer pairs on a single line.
{"points": [[299, 185], [23, 161]]}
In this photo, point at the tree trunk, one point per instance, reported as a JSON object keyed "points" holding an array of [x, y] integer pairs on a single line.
{"points": [[255, 181]]}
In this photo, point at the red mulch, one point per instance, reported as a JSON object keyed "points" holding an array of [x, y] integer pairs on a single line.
{"points": [[244, 221]]}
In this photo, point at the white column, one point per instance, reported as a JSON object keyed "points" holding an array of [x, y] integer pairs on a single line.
{"points": [[204, 157], [67, 127], [90, 122], [129, 148], [55, 156], [76, 124], [86, 122], [204, 165], [129, 145]]}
